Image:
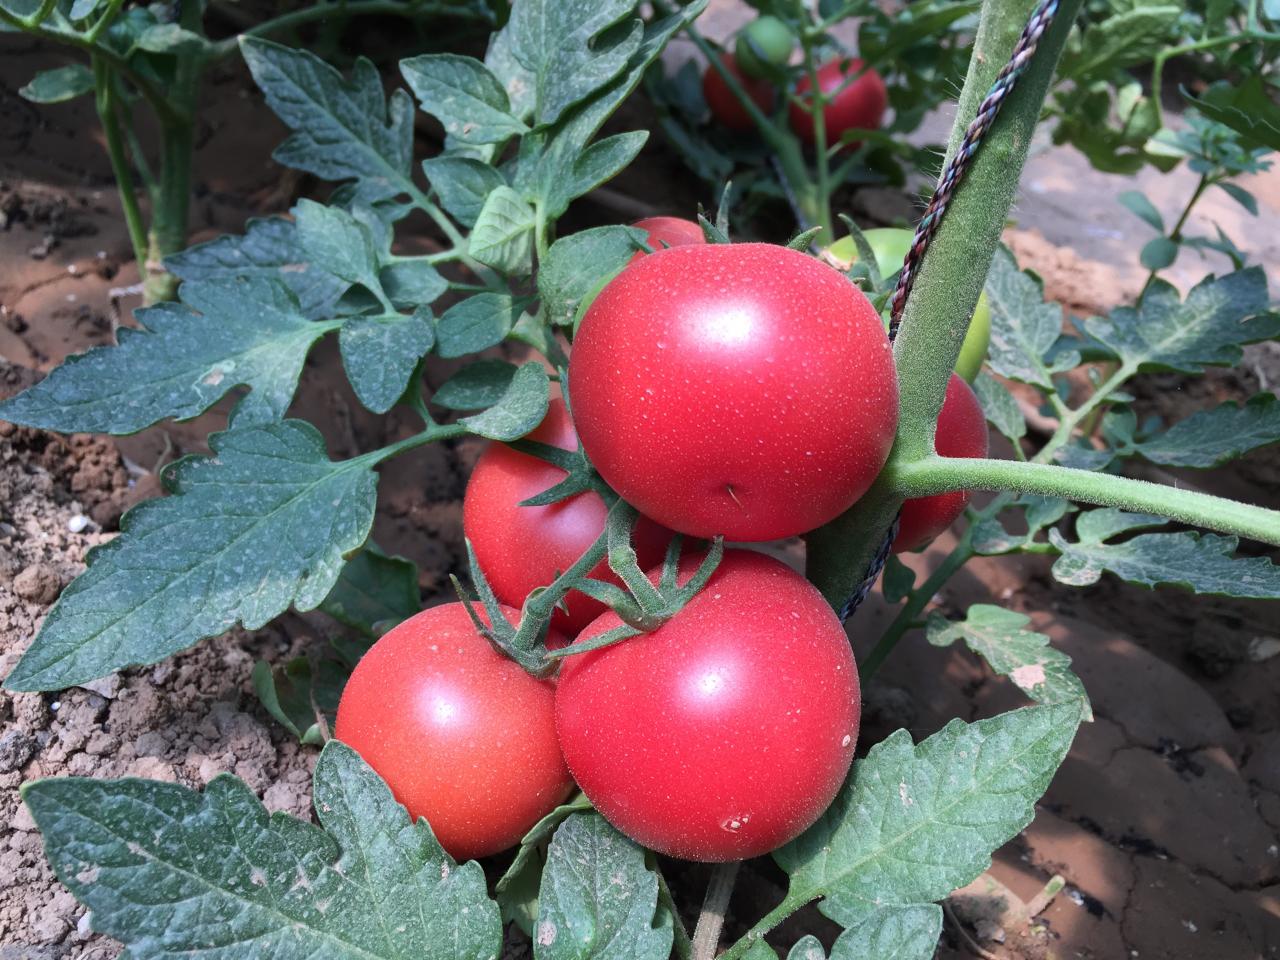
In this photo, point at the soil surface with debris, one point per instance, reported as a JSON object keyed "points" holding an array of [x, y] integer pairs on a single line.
{"points": [[1164, 821]]}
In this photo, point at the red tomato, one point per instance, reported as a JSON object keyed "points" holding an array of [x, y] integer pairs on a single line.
{"points": [[859, 106], [962, 432], [738, 389], [725, 732], [672, 231], [520, 548], [725, 107], [461, 734]]}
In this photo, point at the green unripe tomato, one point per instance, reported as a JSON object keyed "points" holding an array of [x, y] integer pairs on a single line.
{"points": [[763, 47], [890, 246]]}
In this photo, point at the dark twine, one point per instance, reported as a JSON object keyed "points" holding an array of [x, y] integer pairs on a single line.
{"points": [[1004, 83]]}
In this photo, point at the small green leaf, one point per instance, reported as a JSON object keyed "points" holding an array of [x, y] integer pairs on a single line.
{"points": [[503, 234], [343, 129], [462, 184], [380, 354], [991, 538], [1211, 438], [170, 872], [227, 333], [1001, 409], [1248, 107], [1241, 196], [172, 39], [1023, 327], [603, 161], [463, 95], [522, 407], [1158, 253], [338, 243], [1201, 562], [1000, 637], [302, 695], [261, 525], [1136, 201], [597, 895], [897, 581], [1207, 329], [517, 888], [474, 324], [575, 265], [269, 248], [892, 933], [1125, 39], [59, 84], [374, 589], [476, 386], [82, 8], [913, 823], [413, 283]]}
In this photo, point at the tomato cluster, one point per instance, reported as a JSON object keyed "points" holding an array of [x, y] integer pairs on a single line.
{"points": [[745, 391]]}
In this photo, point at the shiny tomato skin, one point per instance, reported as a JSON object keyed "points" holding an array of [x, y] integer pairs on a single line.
{"points": [[859, 106], [724, 106], [737, 389], [669, 231], [727, 731], [520, 548], [962, 432], [460, 733]]}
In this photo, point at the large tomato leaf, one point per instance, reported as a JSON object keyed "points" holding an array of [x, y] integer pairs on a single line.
{"points": [[262, 524], [1200, 562], [1000, 637], [226, 333], [1210, 438], [463, 95], [597, 900], [913, 822], [172, 873]]}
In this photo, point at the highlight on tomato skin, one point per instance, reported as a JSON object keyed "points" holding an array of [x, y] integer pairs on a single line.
{"points": [[460, 733], [522, 548], [860, 105], [742, 389], [961, 432], [725, 108], [727, 731]]}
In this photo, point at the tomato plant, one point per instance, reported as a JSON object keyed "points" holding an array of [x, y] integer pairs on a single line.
{"points": [[725, 732], [461, 735], [525, 547], [720, 356]]}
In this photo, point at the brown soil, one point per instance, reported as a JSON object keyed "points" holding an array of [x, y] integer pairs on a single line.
{"points": [[1164, 821]]}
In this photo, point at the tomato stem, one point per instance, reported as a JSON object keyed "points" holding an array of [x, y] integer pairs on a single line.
{"points": [[706, 935]]}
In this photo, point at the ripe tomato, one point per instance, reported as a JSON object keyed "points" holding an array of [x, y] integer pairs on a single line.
{"points": [[669, 231], [859, 106], [738, 389], [725, 732], [962, 432], [520, 548], [764, 46], [724, 105], [890, 246], [461, 734]]}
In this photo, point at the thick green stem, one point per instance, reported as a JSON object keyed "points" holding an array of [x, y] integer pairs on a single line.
{"points": [[817, 107], [168, 233], [942, 474], [104, 87]]}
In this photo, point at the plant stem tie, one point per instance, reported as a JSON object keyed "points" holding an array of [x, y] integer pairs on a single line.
{"points": [[949, 182]]}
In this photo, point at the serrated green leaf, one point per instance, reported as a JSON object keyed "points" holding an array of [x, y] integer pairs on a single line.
{"points": [[575, 265], [1200, 562], [474, 324], [463, 95], [1248, 107], [1001, 409], [897, 581], [517, 888], [343, 129], [503, 234], [1000, 637], [1211, 438], [462, 184], [171, 872], [1136, 201], [604, 160], [58, 84], [227, 333], [891, 933], [913, 822], [1124, 39], [380, 354], [476, 386], [338, 243], [991, 538], [1158, 253], [1207, 329], [1023, 327], [412, 283], [564, 51], [374, 589], [597, 900], [269, 248], [261, 525], [522, 407]]}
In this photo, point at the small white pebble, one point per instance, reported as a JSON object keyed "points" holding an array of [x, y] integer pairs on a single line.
{"points": [[55, 705], [77, 523], [1190, 926]]}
